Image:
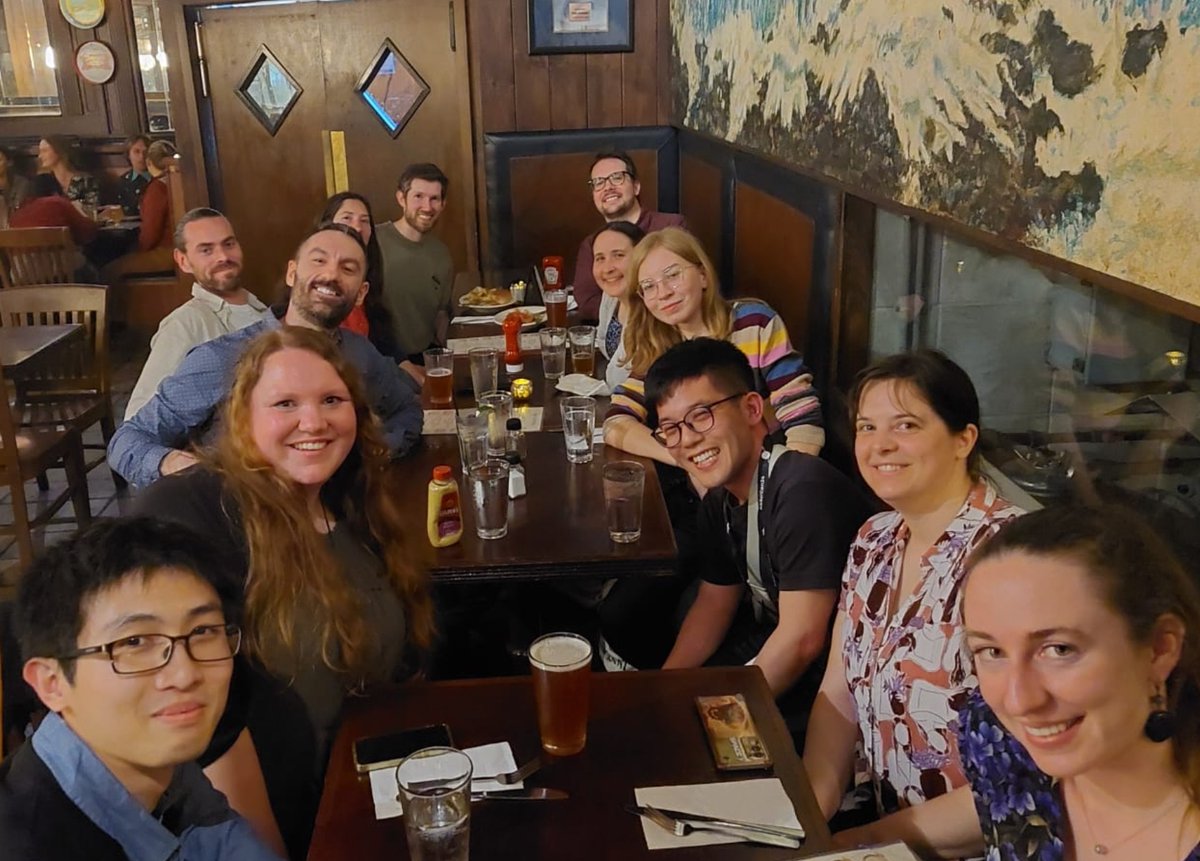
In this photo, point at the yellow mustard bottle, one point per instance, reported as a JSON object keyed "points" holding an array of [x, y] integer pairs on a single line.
{"points": [[445, 522]]}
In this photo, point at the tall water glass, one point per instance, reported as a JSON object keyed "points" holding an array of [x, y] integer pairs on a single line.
{"points": [[554, 351], [472, 439], [435, 790], [439, 377], [489, 494], [579, 424], [583, 349], [624, 481], [561, 666], [485, 366], [498, 407]]}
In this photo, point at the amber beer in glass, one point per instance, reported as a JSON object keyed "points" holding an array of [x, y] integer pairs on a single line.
{"points": [[439, 377], [562, 670], [556, 308]]}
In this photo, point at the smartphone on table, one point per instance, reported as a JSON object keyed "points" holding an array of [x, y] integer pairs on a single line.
{"points": [[386, 751]]}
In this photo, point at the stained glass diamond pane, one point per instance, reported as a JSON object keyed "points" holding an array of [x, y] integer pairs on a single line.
{"points": [[269, 91], [392, 88]]}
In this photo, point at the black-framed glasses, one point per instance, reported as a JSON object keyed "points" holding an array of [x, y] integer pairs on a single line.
{"points": [[670, 278], [698, 419], [143, 653], [614, 179]]}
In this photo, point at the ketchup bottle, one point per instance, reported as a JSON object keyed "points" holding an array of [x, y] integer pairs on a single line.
{"points": [[512, 343]]}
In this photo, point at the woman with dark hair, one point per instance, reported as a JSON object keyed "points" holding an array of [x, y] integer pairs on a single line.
{"points": [[611, 249], [335, 596], [56, 157], [370, 317], [895, 679], [14, 187]]}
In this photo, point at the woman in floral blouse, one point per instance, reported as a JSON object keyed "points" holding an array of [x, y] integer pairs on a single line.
{"points": [[886, 711], [1083, 629]]}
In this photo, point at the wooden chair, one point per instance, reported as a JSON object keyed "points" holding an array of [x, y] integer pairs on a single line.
{"points": [[37, 255], [70, 386]]}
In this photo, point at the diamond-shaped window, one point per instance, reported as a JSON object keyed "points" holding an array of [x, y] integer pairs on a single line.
{"points": [[269, 91], [392, 88]]}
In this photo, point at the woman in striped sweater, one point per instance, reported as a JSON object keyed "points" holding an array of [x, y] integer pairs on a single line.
{"points": [[678, 298]]}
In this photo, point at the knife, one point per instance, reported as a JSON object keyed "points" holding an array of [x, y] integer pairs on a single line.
{"points": [[533, 793], [750, 833], [798, 833]]}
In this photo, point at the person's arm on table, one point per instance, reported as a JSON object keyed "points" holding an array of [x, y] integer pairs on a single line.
{"points": [[798, 639], [628, 434], [792, 395], [943, 827], [238, 774], [705, 626], [832, 731]]}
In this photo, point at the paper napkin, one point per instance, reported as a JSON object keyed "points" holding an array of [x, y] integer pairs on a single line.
{"points": [[494, 758], [762, 800], [582, 384]]}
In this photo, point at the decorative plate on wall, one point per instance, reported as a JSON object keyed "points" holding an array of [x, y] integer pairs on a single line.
{"points": [[84, 14], [95, 62]]}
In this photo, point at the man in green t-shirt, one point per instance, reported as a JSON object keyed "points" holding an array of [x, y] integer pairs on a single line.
{"points": [[418, 272]]}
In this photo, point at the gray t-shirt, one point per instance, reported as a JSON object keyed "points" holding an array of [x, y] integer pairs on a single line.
{"points": [[418, 278]]}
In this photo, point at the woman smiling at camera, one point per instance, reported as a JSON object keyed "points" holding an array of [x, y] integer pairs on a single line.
{"points": [[611, 250], [334, 599], [1083, 630], [896, 678]]}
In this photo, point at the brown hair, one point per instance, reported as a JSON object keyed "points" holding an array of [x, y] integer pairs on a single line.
{"points": [[645, 336], [1139, 578], [290, 562]]}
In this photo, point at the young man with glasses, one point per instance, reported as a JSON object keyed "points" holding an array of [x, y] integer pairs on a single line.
{"points": [[127, 643], [615, 188], [777, 524]]}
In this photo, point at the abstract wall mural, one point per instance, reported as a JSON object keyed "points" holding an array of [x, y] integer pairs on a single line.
{"points": [[1070, 126]]}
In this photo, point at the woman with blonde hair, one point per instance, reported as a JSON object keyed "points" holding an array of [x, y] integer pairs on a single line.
{"points": [[676, 297], [335, 599]]}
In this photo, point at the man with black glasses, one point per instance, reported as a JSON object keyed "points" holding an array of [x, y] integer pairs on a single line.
{"points": [[126, 641], [776, 524], [615, 188]]}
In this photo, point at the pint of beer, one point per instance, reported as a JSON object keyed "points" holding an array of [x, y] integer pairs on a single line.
{"points": [[562, 669]]}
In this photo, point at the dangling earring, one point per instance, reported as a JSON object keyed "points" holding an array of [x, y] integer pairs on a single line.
{"points": [[1160, 725]]}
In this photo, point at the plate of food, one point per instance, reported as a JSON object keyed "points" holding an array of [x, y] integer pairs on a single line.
{"points": [[531, 315], [487, 299]]}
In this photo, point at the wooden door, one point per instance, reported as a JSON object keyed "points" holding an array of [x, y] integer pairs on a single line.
{"points": [[272, 186]]}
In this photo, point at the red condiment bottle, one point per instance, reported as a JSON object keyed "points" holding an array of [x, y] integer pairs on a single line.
{"points": [[512, 343]]}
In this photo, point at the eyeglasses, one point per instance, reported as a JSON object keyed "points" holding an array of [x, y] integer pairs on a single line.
{"points": [[143, 653], [613, 179], [671, 278], [699, 419]]}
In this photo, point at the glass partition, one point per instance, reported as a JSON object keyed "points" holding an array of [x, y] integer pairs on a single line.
{"points": [[152, 61], [28, 65]]}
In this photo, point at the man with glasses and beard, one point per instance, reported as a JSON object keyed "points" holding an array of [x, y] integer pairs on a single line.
{"points": [[325, 278], [615, 189]]}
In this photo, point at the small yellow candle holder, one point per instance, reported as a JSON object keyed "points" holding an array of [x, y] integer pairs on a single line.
{"points": [[522, 389]]}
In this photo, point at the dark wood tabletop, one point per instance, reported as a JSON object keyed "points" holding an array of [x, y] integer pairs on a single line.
{"points": [[643, 731], [20, 344]]}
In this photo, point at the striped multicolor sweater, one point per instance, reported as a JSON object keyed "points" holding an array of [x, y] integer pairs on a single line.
{"points": [[779, 371]]}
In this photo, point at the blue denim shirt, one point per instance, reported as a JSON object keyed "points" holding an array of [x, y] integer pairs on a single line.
{"points": [[187, 400], [208, 830]]}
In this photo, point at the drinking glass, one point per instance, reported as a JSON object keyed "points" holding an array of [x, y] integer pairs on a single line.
{"points": [[561, 666], [485, 365], [439, 376], [489, 493], [472, 439], [624, 481], [435, 790], [554, 351], [498, 407], [583, 349], [579, 424], [556, 308]]}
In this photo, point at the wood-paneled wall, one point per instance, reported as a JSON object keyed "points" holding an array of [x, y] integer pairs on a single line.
{"points": [[520, 92]]}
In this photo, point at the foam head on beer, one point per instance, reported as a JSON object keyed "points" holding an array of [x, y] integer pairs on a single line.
{"points": [[560, 654]]}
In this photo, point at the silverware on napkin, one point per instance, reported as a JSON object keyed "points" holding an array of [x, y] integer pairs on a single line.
{"points": [[762, 834], [788, 831], [536, 793]]}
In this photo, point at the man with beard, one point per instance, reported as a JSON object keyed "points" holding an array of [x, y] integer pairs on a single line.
{"points": [[325, 278], [418, 272], [615, 189], [207, 249]]}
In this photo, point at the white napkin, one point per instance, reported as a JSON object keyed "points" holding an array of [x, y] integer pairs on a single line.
{"points": [[494, 758], [761, 800], [582, 384], [530, 342], [439, 421], [890, 852]]}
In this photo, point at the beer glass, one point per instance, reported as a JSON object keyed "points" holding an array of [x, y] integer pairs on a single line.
{"points": [[435, 790], [554, 352], [485, 365], [439, 377], [556, 308], [624, 481], [583, 349], [562, 668]]}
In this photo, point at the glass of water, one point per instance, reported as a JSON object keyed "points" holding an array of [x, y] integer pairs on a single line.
{"points": [[472, 439], [435, 790], [498, 408], [624, 481], [579, 424], [554, 352], [489, 494], [485, 366]]}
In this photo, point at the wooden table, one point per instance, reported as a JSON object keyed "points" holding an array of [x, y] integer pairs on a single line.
{"points": [[643, 731], [21, 344]]}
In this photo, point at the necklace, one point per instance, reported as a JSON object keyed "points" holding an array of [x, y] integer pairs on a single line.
{"points": [[1104, 848]]}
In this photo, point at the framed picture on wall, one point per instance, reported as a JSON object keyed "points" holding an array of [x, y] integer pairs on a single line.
{"points": [[580, 26]]}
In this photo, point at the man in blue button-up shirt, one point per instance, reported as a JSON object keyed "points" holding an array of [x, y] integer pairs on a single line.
{"points": [[127, 642], [326, 281]]}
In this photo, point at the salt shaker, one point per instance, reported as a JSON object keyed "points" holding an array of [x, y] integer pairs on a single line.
{"points": [[516, 476]]}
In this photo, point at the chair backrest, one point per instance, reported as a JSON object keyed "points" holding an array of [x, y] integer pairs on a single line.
{"points": [[37, 255], [80, 367], [175, 195]]}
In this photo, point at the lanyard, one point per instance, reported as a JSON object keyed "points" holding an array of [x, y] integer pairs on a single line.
{"points": [[756, 537]]}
